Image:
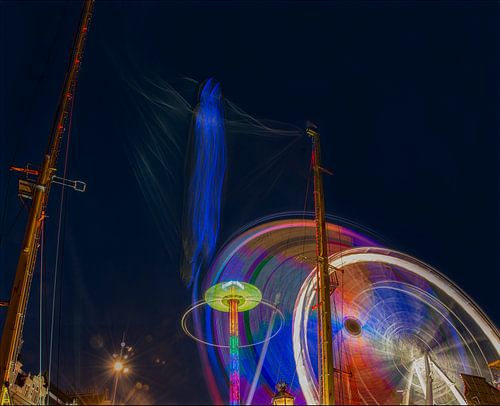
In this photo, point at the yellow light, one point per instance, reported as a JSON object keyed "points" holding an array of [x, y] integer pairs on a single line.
{"points": [[118, 366], [126, 370], [283, 400], [283, 397]]}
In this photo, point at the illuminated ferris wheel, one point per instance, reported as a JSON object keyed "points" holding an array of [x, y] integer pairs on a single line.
{"points": [[402, 332]]}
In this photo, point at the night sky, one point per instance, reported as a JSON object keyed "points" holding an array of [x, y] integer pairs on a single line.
{"points": [[405, 97]]}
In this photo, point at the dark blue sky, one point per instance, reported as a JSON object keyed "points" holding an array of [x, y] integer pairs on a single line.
{"points": [[405, 94]]}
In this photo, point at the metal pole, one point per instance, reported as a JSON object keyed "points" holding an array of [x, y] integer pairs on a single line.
{"points": [[115, 387], [234, 357], [325, 352], [263, 353], [407, 392], [428, 381], [453, 388], [14, 321], [120, 359]]}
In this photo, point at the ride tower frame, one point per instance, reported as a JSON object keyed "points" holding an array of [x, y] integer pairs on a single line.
{"points": [[325, 287]]}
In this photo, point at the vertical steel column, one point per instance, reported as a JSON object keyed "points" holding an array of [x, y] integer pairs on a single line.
{"points": [[428, 381], [234, 356], [325, 352]]}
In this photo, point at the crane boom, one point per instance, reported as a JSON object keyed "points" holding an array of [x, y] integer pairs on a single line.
{"points": [[13, 326]]}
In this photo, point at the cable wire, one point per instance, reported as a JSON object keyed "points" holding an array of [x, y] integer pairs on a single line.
{"points": [[61, 290], [27, 118], [42, 241], [68, 139]]}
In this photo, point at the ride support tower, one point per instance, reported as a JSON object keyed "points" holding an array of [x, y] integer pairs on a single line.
{"points": [[325, 286], [233, 297]]}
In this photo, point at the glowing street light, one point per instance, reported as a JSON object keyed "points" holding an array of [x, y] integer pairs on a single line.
{"points": [[118, 366]]}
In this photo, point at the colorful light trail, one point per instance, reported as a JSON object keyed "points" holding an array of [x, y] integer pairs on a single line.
{"points": [[276, 257], [389, 309], [234, 363]]}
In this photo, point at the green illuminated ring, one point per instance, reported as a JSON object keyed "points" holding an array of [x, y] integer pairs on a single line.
{"points": [[204, 302]]}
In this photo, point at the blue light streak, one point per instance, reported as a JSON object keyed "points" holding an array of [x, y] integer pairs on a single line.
{"points": [[207, 180]]}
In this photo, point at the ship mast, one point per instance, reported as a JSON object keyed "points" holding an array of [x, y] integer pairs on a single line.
{"points": [[13, 326], [325, 348]]}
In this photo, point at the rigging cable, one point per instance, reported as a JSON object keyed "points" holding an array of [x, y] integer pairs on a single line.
{"points": [[28, 117], [61, 296], [306, 197], [68, 139], [295, 373], [42, 245], [341, 343], [279, 369]]}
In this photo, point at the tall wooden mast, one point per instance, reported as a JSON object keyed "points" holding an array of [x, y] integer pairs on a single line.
{"points": [[14, 321], [325, 350]]}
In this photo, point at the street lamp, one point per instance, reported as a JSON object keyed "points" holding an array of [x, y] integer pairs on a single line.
{"points": [[283, 396], [120, 366]]}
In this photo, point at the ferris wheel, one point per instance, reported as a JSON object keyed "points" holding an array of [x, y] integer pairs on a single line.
{"points": [[402, 331]]}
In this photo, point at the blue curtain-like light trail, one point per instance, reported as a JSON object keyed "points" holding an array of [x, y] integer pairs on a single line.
{"points": [[188, 122], [206, 181]]}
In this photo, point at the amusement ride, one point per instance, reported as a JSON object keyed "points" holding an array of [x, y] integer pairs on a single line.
{"points": [[392, 329]]}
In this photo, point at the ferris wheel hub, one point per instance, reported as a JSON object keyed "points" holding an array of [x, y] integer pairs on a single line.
{"points": [[352, 326]]}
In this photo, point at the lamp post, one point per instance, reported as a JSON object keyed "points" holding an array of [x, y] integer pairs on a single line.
{"points": [[283, 396], [120, 366]]}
